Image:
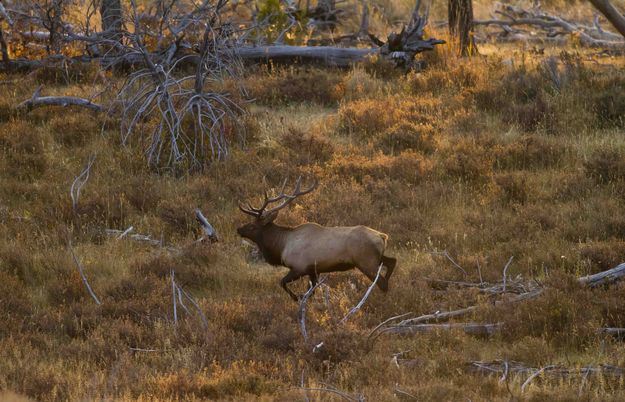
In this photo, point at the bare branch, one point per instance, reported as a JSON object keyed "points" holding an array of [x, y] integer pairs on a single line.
{"points": [[445, 254], [505, 271], [534, 375], [82, 273], [357, 307], [302, 307], [173, 296], [80, 181]]}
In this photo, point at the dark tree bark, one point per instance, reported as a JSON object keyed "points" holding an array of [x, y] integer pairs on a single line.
{"points": [[460, 14], [111, 14], [3, 47]]}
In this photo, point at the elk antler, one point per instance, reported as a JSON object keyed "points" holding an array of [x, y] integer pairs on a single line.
{"points": [[285, 198]]}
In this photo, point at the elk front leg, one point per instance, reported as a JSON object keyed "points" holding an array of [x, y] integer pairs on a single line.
{"points": [[290, 277]]}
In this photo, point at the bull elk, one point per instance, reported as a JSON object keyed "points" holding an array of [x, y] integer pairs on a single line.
{"points": [[311, 249]]}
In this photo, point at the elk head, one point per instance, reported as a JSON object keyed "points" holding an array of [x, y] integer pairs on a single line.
{"points": [[263, 216]]}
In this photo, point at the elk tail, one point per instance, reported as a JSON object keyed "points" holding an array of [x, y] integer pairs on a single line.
{"points": [[384, 237]]}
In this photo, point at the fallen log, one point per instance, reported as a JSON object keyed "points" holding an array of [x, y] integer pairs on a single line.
{"points": [[505, 367], [468, 328], [602, 278], [400, 48], [330, 56], [38, 101], [617, 332], [552, 27]]}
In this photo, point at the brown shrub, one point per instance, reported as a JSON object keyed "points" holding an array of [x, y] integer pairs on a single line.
{"points": [[143, 193], [565, 314], [531, 116], [408, 166], [177, 214], [519, 97], [529, 152], [67, 74], [296, 85], [366, 118], [23, 147], [606, 166], [601, 256], [406, 135], [513, 187], [307, 148], [74, 129], [455, 78], [468, 161], [608, 100], [14, 302]]}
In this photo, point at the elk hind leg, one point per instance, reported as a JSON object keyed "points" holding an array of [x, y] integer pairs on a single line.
{"points": [[389, 263], [371, 271]]}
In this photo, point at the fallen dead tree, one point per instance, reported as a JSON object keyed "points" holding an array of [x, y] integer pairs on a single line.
{"points": [[401, 47], [551, 28], [38, 101], [505, 369], [392, 325], [469, 328]]}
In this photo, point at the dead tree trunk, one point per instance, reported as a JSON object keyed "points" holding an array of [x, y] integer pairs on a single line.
{"points": [[3, 47], [611, 13], [460, 14], [111, 14]]}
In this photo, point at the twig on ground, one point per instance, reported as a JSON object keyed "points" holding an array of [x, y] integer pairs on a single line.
{"points": [[82, 273], [505, 271], [534, 375], [445, 254], [80, 181], [173, 296]]}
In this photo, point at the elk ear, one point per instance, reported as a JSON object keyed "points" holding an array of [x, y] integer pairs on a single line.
{"points": [[270, 217]]}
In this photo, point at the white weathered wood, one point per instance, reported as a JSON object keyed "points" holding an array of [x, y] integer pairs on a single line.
{"points": [[357, 307], [302, 307], [611, 13], [38, 101], [210, 231], [82, 274], [605, 277], [468, 328]]}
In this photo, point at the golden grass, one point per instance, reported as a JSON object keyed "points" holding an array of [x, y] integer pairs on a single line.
{"points": [[475, 157]]}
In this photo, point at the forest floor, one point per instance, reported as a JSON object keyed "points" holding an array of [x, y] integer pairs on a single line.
{"points": [[486, 158]]}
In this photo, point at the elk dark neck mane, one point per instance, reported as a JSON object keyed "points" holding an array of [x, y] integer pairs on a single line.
{"points": [[272, 242]]}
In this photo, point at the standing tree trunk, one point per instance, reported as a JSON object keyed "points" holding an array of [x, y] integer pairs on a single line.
{"points": [[611, 13], [460, 14], [3, 47], [111, 13]]}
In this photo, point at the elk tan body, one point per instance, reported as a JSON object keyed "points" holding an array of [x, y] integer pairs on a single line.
{"points": [[311, 249]]}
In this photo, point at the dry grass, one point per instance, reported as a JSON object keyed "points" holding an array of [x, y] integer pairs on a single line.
{"points": [[475, 157]]}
